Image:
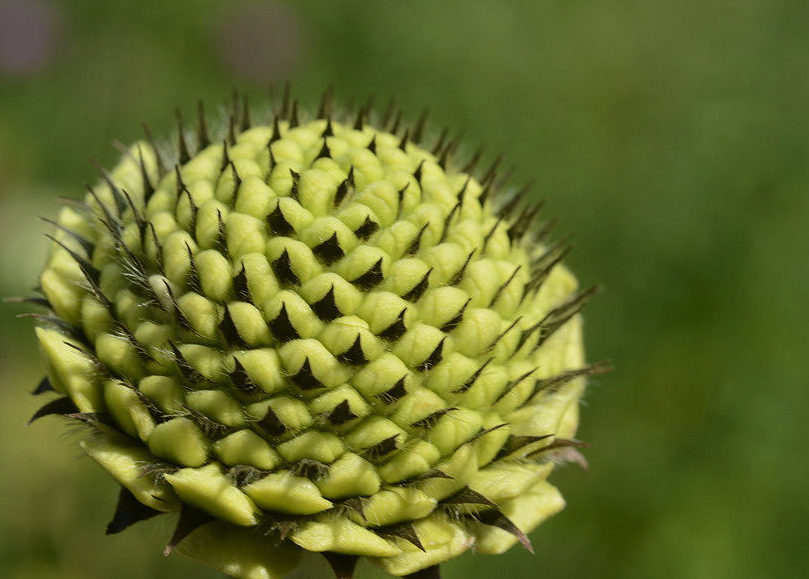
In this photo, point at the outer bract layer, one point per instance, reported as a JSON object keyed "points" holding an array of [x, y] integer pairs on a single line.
{"points": [[313, 338]]}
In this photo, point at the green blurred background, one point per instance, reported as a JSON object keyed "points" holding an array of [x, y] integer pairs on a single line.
{"points": [[671, 137]]}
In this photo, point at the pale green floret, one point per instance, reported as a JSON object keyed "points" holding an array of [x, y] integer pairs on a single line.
{"points": [[342, 536], [240, 552], [226, 187], [246, 447], [245, 234], [293, 213], [413, 461], [355, 215], [285, 493], [381, 309], [398, 238], [62, 286], [310, 191], [63, 294], [405, 274], [314, 339], [380, 375], [72, 372], [124, 460], [280, 178], [208, 489], [505, 481], [416, 346], [454, 429], [250, 324], [326, 403], [397, 504], [202, 314], [215, 273], [526, 511], [324, 228], [216, 405], [325, 368], [129, 306], [132, 307], [490, 443], [207, 361], [208, 218], [254, 198], [161, 200], [320, 446], [440, 305], [179, 441], [301, 261], [118, 354], [95, 317], [477, 331], [176, 249], [444, 260], [460, 468], [372, 431], [416, 407], [454, 371], [263, 368], [200, 191], [360, 260], [204, 167], [128, 410], [341, 334], [163, 391], [440, 539], [261, 282], [347, 298], [301, 317], [349, 476]]}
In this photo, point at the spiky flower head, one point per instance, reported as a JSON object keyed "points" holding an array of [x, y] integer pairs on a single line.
{"points": [[314, 339]]}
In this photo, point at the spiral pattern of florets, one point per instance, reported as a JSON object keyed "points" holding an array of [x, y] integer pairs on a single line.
{"points": [[315, 337]]}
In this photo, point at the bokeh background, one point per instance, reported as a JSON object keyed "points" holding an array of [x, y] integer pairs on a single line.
{"points": [[671, 137]]}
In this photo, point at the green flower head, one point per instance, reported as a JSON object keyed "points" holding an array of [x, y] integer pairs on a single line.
{"points": [[315, 339]]}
